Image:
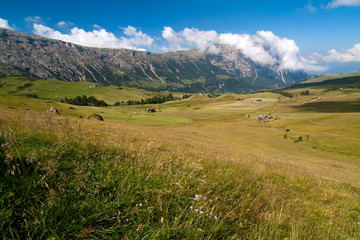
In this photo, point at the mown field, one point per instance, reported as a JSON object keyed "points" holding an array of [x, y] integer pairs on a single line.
{"points": [[201, 168]]}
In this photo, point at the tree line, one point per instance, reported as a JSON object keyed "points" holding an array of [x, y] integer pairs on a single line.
{"points": [[85, 101], [153, 100], [92, 101]]}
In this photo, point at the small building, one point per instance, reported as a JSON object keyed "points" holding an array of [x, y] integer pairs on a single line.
{"points": [[95, 85]]}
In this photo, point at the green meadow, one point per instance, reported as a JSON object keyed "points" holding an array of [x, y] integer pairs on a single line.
{"points": [[197, 168]]}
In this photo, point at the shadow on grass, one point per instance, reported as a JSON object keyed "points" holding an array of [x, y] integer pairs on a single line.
{"points": [[330, 106]]}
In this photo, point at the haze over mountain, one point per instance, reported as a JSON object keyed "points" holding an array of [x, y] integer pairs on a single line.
{"points": [[223, 70]]}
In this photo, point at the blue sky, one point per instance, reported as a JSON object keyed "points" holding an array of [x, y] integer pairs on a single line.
{"points": [[321, 36]]}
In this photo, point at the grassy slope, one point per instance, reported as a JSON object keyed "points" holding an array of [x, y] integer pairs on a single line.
{"points": [[328, 84], [57, 90], [330, 77], [257, 183]]}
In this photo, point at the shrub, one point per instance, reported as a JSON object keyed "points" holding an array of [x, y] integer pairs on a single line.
{"points": [[95, 116]]}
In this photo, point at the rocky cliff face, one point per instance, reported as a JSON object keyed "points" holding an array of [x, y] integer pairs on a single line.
{"points": [[188, 71]]}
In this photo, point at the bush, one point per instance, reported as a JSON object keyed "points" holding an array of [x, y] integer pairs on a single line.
{"points": [[95, 116], [29, 95]]}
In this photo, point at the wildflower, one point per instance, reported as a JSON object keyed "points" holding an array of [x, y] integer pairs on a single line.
{"points": [[215, 217], [140, 205], [196, 196], [200, 208], [191, 207], [201, 212], [204, 198], [196, 210]]}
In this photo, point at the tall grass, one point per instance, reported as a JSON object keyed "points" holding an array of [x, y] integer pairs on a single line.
{"points": [[58, 180]]}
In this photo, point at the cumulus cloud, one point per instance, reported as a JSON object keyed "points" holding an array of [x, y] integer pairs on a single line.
{"points": [[97, 38], [61, 24], [343, 55], [346, 3], [173, 39], [35, 19], [137, 37], [264, 47], [5, 24]]}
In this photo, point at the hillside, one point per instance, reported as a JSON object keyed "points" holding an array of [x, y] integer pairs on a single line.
{"points": [[187, 71], [201, 168], [327, 84]]}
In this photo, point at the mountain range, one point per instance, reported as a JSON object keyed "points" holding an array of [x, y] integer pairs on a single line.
{"points": [[185, 71]]}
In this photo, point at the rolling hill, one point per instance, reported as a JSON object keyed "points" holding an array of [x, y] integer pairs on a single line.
{"points": [[201, 168]]}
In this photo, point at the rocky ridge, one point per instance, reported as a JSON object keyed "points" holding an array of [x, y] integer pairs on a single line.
{"points": [[186, 71]]}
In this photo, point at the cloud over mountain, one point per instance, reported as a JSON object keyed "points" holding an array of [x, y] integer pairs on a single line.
{"points": [[264, 47], [5, 24], [97, 38]]}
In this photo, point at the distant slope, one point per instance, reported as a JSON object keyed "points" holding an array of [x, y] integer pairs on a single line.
{"points": [[329, 77], [187, 71], [330, 82], [58, 90]]}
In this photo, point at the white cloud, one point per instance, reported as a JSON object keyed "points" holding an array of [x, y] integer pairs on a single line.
{"points": [[97, 38], [310, 7], [264, 47], [344, 55], [173, 39], [61, 24], [5, 24], [35, 19], [137, 37], [202, 39], [339, 3]]}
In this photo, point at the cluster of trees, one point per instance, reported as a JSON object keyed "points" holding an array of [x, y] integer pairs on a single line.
{"points": [[284, 93], [153, 100], [29, 95], [186, 96], [92, 101], [305, 92], [85, 101], [213, 95]]}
